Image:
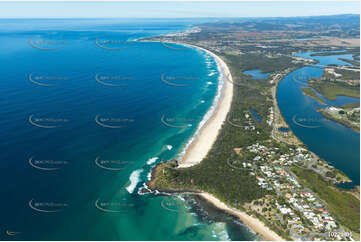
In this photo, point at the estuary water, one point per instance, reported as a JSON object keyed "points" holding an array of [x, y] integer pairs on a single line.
{"points": [[337, 144]]}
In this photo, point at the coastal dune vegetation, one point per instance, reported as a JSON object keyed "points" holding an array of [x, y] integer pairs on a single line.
{"points": [[268, 48], [216, 176]]}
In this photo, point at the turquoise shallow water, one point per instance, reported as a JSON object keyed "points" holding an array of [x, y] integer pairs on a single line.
{"points": [[337, 144], [82, 109]]}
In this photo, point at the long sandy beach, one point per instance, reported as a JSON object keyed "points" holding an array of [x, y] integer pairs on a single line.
{"points": [[207, 135], [204, 141]]}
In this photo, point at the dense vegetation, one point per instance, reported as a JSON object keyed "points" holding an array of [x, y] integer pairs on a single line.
{"points": [[349, 75], [259, 61], [310, 92], [343, 205], [214, 174], [354, 117], [241, 43], [331, 90]]}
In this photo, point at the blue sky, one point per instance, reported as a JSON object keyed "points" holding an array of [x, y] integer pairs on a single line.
{"points": [[173, 9]]}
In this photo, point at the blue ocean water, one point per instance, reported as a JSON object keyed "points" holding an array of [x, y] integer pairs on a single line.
{"points": [[86, 112], [337, 144]]}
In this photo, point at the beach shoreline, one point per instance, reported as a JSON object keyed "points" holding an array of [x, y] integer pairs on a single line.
{"points": [[253, 223], [204, 139]]}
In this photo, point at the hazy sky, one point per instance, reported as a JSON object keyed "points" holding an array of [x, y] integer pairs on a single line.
{"points": [[173, 9]]}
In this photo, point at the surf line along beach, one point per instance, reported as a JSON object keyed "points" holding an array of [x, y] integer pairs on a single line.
{"points": [[205, 138]]}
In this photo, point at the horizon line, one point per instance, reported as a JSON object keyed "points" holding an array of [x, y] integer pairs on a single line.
{"points": [[298, 16]]}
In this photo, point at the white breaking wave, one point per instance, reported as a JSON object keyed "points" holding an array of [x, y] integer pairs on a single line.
{"points": [[212, 73], [145, 187], [209, 112], [169, 147], [134, 179], [209, 83], [152, 160], [220, 231], [149, 176]]}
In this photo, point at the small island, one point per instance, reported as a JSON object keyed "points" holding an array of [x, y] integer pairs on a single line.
{"points": [[311, 93]]}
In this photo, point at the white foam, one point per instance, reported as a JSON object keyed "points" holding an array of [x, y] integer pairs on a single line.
{"points": [[224, 236], [180, 197], [149, 175], [169, 147], [209, 83], [220, 231], [152, 160], [145, 187], [210, 111], [134, 179]]}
